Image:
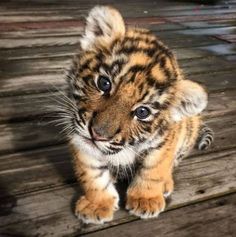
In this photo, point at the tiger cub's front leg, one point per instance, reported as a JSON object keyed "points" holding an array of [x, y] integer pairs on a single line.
{"points": [[146, 194], [100, 198]]}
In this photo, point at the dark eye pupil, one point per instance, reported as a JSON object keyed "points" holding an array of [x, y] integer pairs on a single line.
{"points": [[142, 112], [104, 84]]}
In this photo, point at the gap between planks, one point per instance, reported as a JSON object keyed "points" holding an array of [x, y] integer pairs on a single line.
{"points": [[197, 179], [51, 166], [169, 224]]}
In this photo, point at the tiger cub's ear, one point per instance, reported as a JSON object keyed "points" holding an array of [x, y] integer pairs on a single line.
{"points": [[103, 24], [190, 99]]}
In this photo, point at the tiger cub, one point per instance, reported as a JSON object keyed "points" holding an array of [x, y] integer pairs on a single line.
{"points": [[130, 106]]}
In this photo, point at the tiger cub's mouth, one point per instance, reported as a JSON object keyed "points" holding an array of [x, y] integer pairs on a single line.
{"points": [[105, 147]]}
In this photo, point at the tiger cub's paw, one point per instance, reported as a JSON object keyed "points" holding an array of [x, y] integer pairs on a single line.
{"points": [[92, 211], [144, 206]]}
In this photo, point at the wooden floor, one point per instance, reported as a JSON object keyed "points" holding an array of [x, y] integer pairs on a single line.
{"points": [[37, 186]]}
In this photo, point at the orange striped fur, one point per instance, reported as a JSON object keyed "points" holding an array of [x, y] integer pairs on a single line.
{"points": [[130, 108]]}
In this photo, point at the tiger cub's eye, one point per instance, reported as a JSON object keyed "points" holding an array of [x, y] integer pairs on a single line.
{"points": [[142, 112], [104, 84]]}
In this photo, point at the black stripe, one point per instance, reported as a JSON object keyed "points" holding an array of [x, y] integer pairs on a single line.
{"points": [[134, 49], [156, 105], [119, 63], [113, 151], [107, 185], [143, 97], [162, 62], [114, 43], [118, 130], [102, 167], [87, 79], [99, 174], [85, 65], [76, 96], [106, 67], [163, 127], [121, 143], [151, 81], [132, 141], [138, 39], [78, 123], [81, 112], [168, 74], [141, 87], [146, 127]]}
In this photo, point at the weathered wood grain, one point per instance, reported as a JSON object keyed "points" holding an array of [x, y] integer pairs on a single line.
{"points": [[70, 36], [29, 84], [55, 6], [180, 19], [216, 81], [29, 52], [28, 135], [129, 10], [57, 61], [48, 167], [37, 185], [201, 60], [41, 74], [34, 66], [49, 211], [34, 106], [218, 215]]}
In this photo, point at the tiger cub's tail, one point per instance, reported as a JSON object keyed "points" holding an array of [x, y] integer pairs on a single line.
{"points": [[205, 139]]}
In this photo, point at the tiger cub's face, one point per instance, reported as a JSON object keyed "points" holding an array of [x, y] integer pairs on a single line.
{"points": [[127, 88]]}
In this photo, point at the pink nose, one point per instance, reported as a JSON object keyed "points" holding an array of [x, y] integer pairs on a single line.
{"points": [[97, 136]]}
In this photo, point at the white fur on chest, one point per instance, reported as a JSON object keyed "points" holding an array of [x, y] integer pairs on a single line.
{"points": [[122, 158]]}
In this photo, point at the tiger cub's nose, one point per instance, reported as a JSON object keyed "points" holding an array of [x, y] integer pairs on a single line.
{"points": [[97, 134]]}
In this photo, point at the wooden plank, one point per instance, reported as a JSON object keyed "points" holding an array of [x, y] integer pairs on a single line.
{"points": [[42, 49], [186, 41], [210, 32], [220, 49], [40, 212], [54, 79], [34, 66], [209, 23], [38, 52], [48, 23], [180, 19], [52, 6], [231, 38], [59, 63], [34, 106], [26, 107], [201, 52], [217, 81], [220, 103], [27, 135], [70, 36], [33, 170], [51, 166], [28, 84], [50, 41], [218, 214], [206, 65], [129, 10], [36, 186]]}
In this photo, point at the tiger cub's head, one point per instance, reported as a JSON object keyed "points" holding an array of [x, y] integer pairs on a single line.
{"points": [[127, 87]]}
